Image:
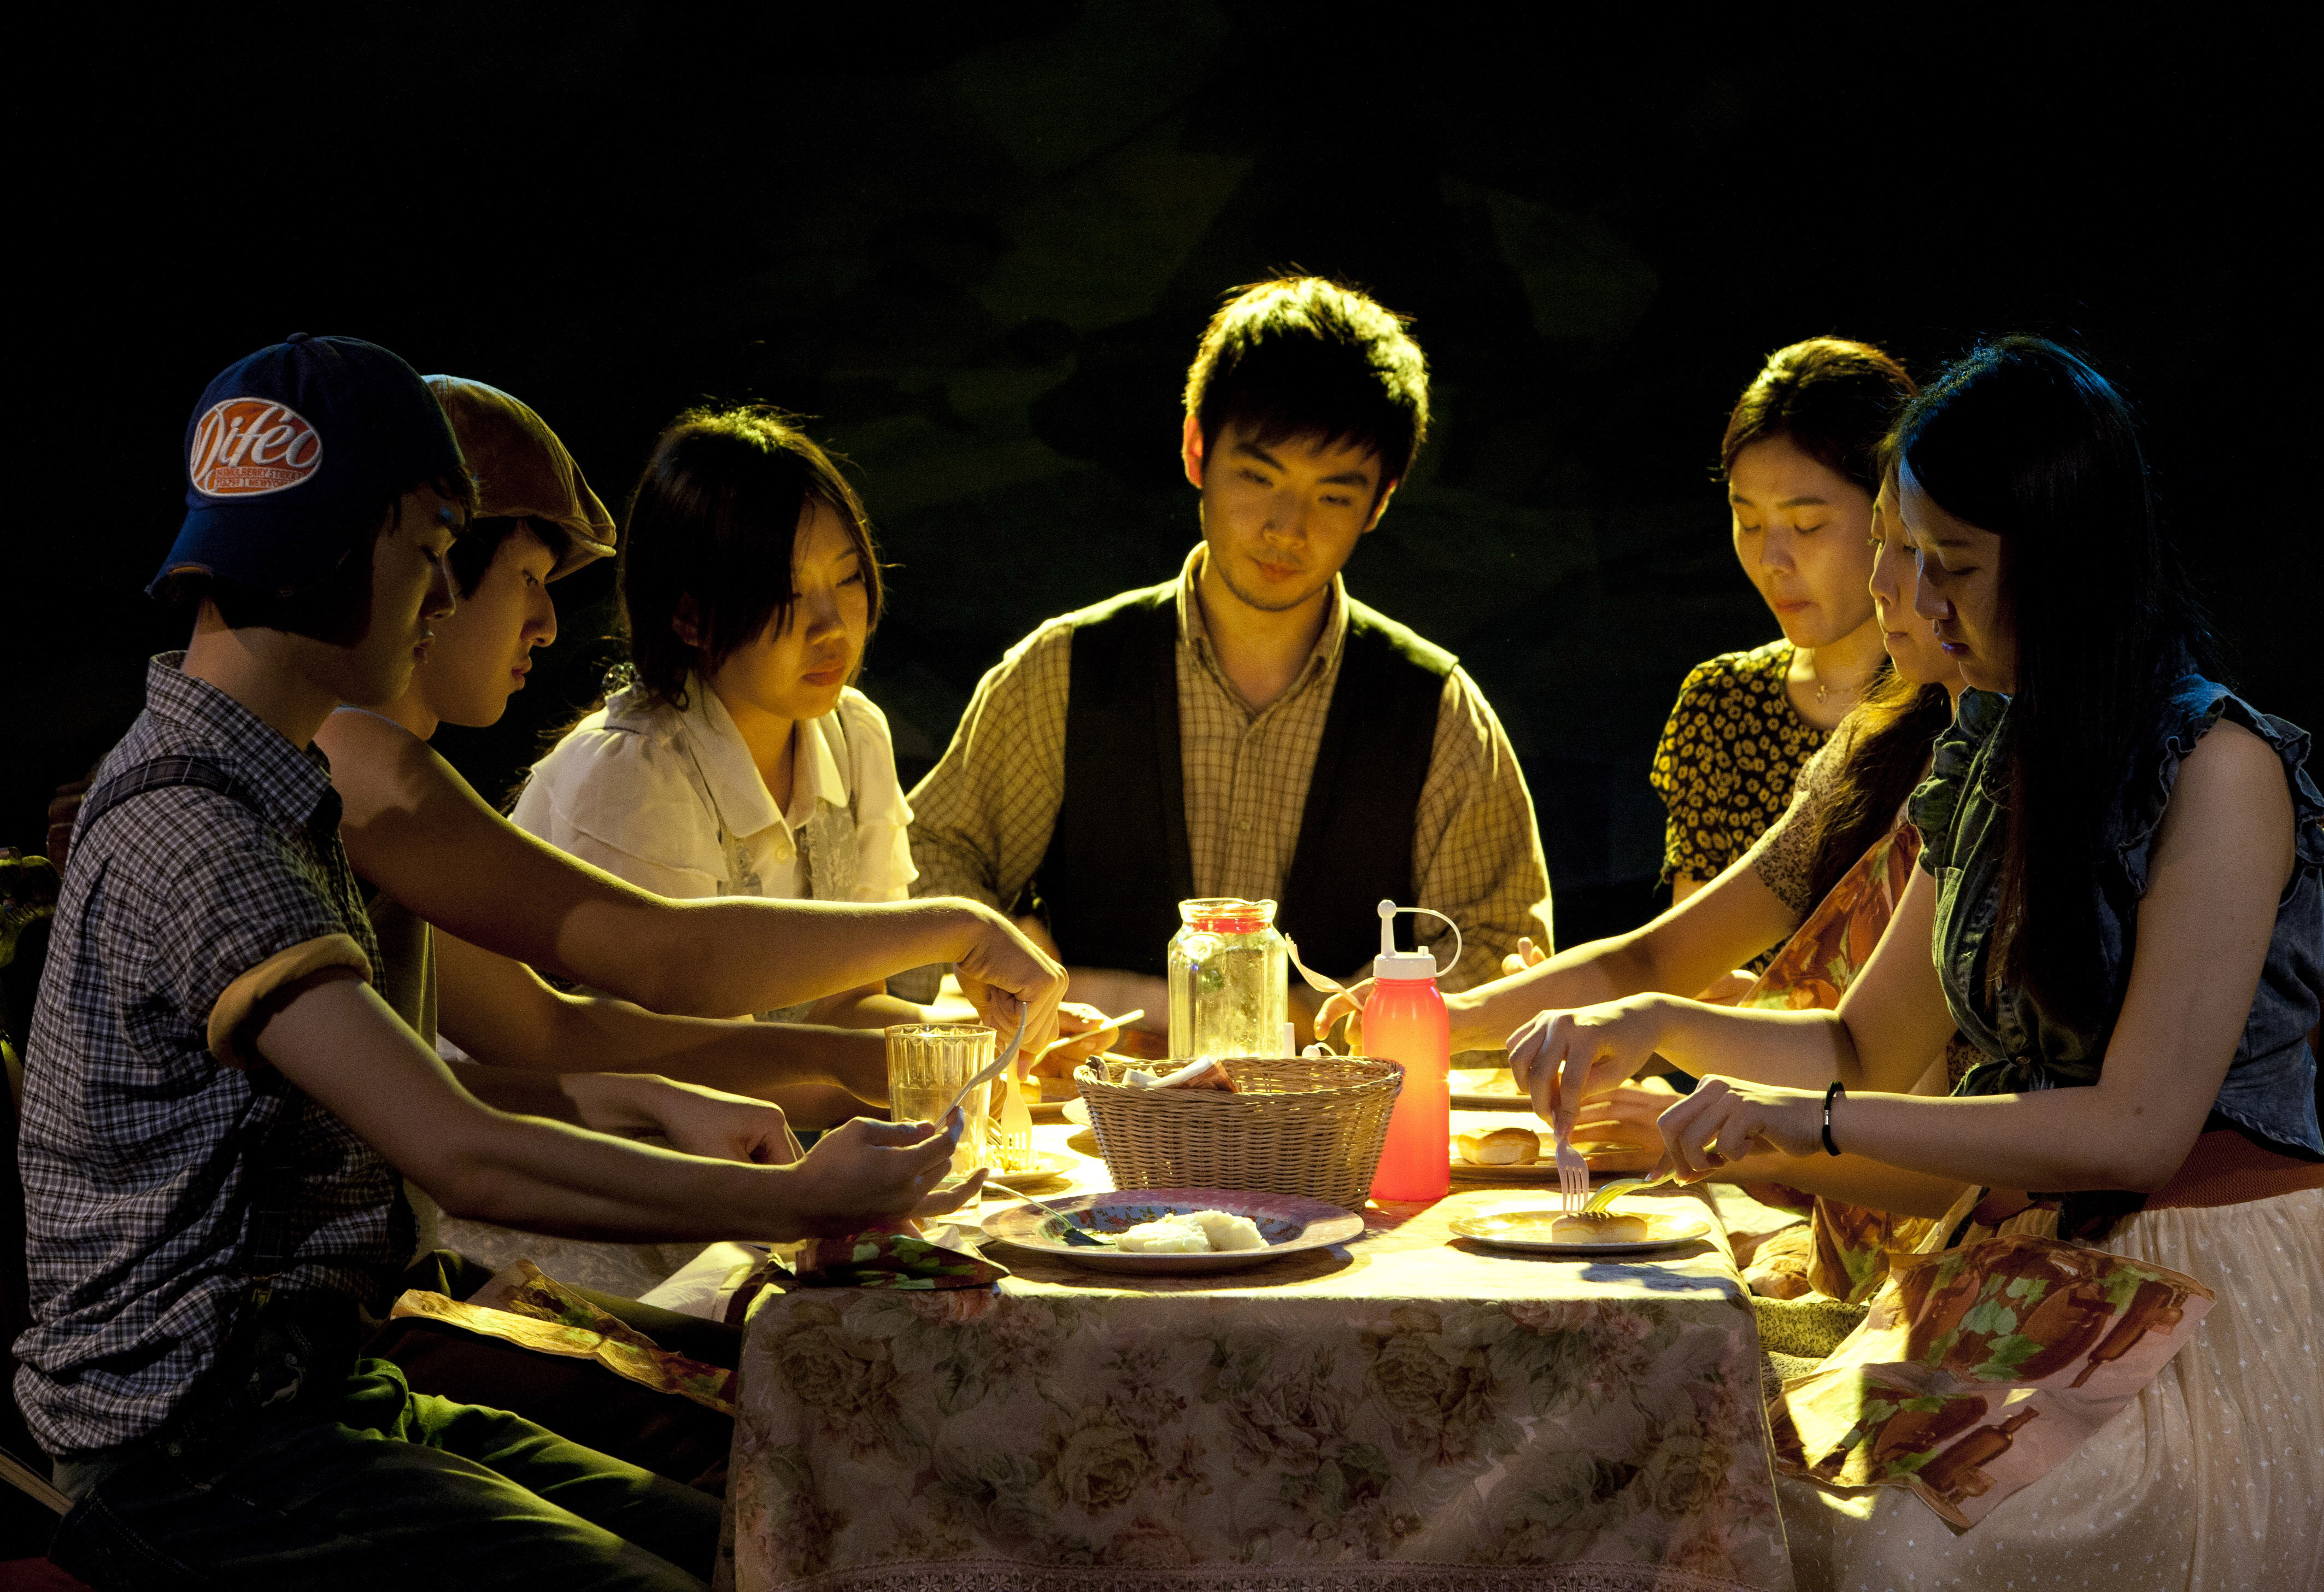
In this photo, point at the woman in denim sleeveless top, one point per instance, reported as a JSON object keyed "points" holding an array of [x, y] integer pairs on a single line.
{"points": [[2123, 883]]}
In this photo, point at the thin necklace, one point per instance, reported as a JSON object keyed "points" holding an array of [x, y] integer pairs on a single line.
{"points": [[1822, 690]]}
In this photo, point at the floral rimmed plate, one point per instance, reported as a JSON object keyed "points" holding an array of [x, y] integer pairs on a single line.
{"points": [[1528, 1228], [1289, 1223]]}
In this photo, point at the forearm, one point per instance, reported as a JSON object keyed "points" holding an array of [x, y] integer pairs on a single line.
{"points": [[519, 1091], [871, 1007], [1858, 1180], [720, 957], [1682, 950], [2055, 1139], [1791, 1050], [545, 1176], [1603, 970], [743, 1058]]}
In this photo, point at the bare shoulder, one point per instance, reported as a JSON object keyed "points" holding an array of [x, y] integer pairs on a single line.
{"points": [[357, 734], [2230, 795], [373, 757], [2230, 760]]}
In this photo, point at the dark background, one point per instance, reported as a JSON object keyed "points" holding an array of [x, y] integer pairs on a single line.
{"points": [[979, 248]]}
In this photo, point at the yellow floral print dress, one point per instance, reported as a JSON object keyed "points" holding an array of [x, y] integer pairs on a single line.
{"points": [[1728, 759]]}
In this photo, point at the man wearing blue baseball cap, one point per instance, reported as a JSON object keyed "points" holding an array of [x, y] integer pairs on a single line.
{"points": [[217, 1105]]}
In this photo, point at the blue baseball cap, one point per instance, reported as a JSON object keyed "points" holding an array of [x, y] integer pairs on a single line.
{"points": [[285, 443]]}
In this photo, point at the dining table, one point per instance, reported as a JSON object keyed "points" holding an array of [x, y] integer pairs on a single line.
{"points": [[1409, 1409]]}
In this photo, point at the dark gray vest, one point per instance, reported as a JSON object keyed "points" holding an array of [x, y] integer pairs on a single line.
{"points": [[1118, 863]]}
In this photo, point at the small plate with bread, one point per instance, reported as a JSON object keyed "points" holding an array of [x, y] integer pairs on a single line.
{"points": [[1514, 1154], [1547, 1230]]}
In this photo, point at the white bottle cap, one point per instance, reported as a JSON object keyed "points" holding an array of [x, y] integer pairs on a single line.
{"points": [[1417, 964]]}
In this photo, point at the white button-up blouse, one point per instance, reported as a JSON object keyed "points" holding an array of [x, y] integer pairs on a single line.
{"points": [[673, 803]]}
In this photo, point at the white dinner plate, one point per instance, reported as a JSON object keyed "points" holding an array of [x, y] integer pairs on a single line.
{"points": [[1527, 1229]]}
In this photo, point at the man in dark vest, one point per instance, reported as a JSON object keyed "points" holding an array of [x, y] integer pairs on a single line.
{"points": [[1247, 728]]}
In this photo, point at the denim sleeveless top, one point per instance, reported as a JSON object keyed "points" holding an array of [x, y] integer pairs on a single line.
{"points": [[1963, 814]]}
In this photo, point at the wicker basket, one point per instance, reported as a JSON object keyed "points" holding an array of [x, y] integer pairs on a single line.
{"points": [[1306, 1125]]}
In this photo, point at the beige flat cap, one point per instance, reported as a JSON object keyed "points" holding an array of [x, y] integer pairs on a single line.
{"points": [[522, 469]]}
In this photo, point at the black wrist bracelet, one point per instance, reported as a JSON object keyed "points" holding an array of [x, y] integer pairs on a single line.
{"points": [[1829, 1095]]}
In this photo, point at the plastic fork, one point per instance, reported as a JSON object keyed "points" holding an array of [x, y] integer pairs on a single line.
{"points": [[1604, 1198], [1315, 981], [992, 1069], [1015, 1139], [1572, 1174]]}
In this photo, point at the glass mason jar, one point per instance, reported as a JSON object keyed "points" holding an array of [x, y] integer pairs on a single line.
{"points": [[1227, 974]]}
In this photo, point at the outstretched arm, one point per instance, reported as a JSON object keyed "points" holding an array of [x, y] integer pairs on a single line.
{"points": [[414, 827], [502, 1012], [330, 1034], [2221, 857], [1891, 1025], [1715, 929]]}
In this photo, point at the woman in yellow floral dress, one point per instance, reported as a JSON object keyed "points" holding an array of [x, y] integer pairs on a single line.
{"points": [[1800, 472]]}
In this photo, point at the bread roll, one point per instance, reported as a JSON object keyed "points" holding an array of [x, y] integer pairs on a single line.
{"points": [[1506, 1146], [1599, 1226]]}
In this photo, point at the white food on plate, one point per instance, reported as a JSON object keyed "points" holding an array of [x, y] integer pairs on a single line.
{"points": [[1226, 1231], [1193, 1232]]}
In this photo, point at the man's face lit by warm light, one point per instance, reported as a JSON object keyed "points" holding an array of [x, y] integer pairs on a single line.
{"points": [[1281, 517]]}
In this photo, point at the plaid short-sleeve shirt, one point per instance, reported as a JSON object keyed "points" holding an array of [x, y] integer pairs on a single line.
{"points": [[180, 908]]}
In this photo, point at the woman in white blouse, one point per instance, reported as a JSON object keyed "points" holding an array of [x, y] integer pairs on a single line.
{"points": [[737, 760]]}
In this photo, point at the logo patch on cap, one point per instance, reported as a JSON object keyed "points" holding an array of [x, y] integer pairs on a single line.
{"points": [[245, 446]]}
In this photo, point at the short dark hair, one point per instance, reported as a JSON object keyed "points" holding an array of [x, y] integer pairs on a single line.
{"points": [[2023, 438], [716, 519], [334, 609], [1834, 400], [1304, 357], [480, 544]]}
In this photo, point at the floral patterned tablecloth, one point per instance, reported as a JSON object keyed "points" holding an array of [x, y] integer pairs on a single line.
{"points": [[1410, 1410]]}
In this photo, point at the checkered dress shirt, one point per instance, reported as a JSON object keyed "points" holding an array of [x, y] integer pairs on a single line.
{"points": [[135, 1135], [984, 818]]}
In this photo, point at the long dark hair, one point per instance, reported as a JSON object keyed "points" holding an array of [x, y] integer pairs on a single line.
{"points": [[2023, 438], [1884, 752], [714, 525]]}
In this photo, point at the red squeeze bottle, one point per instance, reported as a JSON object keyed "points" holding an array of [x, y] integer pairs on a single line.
{"points": [[1405, 1021]]}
